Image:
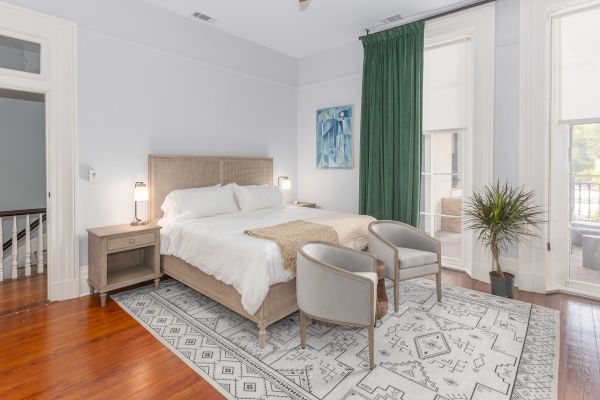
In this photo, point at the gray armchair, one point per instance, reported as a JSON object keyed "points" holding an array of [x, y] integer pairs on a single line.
{"points": [[337, 285], [407, 253]]}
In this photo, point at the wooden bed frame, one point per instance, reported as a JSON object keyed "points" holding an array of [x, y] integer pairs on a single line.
{"points": [[167, 173]]}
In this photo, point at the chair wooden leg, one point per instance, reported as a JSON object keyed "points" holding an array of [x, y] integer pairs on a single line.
{"points": [[371, 347], [396, 295], [438, 284], [302, 330]]}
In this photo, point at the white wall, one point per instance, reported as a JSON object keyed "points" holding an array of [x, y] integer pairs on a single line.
{"points": [[335, 189], [154, 82]]}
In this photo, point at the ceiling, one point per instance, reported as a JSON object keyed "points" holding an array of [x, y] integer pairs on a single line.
{"points": [[325, 24]]}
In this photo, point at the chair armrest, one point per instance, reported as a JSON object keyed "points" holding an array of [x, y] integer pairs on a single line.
{"points": [[344, 258], [385, 251], [399, 234], [333, 294]]}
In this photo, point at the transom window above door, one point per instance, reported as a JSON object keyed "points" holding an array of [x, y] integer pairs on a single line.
{"points": [[20, 55]]}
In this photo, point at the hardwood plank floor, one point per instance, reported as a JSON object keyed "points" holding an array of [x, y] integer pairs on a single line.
{"points": [[77, 350], [22, 293]]}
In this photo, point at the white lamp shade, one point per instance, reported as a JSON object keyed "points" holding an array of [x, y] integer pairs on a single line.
{"points": [[286, 184], [141, 193]]}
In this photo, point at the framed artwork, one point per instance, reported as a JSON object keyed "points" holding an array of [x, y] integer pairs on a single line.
{"points": [[334, 137]]}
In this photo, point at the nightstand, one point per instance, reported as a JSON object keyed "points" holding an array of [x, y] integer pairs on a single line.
{"points": [[303, 204], [122, 255]]}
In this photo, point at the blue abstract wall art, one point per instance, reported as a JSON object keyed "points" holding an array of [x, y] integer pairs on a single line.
{"points": [[334, 137]]}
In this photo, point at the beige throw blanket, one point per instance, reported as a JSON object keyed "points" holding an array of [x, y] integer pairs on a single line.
{"points": [[348, 230]]}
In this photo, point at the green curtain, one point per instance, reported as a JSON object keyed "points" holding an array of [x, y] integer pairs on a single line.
{"points": [[390, 129]]}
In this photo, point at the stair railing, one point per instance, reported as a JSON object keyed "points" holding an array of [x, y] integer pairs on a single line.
{"points": [[13, 243]]}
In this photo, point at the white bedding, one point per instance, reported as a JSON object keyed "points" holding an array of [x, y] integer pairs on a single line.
{"points": [[218, 246]]}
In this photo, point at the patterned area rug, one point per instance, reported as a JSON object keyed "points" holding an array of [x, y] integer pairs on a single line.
{"points": [[470, 346]]}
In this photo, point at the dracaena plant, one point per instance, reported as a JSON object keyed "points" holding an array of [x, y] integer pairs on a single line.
{"points": [[501, 216]]}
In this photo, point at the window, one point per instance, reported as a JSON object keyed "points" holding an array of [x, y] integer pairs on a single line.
{"points": [[20, 55], [576, 113], [444, 128]]}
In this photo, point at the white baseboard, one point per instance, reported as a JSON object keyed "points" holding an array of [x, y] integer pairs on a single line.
{"points": [[533, 282], [64, 290], [84, 288], [481, 273]]}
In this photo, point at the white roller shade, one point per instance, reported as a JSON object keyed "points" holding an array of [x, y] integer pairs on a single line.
{"points": [[579, 64], [445, 86]]}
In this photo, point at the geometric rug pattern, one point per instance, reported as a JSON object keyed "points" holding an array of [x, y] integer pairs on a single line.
{"points": [[472, 345]]}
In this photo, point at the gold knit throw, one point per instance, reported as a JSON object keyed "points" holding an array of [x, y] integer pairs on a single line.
{"points": [[291, 235]]}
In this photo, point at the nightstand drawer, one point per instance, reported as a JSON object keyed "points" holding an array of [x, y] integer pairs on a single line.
{"points": [[127, 242]]}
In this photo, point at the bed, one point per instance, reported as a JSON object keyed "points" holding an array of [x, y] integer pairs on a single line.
{"points": [[212, 255]]}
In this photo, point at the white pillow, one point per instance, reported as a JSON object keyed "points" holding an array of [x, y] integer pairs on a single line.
{"points": [[194, 203], [257, 197]]}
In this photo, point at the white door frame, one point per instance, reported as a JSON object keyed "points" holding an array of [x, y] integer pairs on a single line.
{"points": [[58, 82], [559, 231], [542, 262]]}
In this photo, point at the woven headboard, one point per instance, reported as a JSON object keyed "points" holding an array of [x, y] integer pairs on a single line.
{"points": [[167, 173]]}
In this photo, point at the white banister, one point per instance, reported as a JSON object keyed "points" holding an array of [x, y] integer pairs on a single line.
{"points": [[15, 247], [1, 252], [27, 246], [40, 252]]}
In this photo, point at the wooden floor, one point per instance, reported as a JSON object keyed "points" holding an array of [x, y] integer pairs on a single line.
{"points": [[23, 293], [77, 350]]}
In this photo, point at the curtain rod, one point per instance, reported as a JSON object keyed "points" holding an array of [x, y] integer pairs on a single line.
{"points": [[430, 17]]}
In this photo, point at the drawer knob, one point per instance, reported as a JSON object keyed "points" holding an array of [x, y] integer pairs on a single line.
{"points": [[132, 241]]}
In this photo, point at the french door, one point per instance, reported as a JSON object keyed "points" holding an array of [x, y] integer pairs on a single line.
{"points": [[575, 150]]}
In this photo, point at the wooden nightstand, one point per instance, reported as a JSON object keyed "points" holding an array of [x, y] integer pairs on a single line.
{"points": [[122, 255], [303, 204]]}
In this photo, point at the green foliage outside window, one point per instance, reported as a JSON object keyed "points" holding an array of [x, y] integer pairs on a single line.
{"points": [[585, 150]]}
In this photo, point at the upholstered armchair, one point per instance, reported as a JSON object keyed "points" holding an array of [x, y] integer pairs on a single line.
{"points": [[407, 253], [337, 285]]}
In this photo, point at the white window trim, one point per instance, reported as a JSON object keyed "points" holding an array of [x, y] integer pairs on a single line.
{"points": [[58, 82], [477, 25]]}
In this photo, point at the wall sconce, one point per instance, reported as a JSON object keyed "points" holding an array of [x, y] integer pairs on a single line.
{"points": [[284, 183], [140, 193]]}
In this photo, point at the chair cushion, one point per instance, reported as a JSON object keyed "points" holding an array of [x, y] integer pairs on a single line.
{"points": [[373, 277], [410, 258]]}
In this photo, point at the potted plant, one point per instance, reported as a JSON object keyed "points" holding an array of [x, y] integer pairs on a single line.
{"points": [[502, 216]]}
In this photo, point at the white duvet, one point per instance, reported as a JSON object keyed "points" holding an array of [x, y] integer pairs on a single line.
{"points": [[218, 246]]}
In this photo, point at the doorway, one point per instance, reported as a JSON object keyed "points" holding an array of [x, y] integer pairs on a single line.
{"points": [[23, 278], [38, 71]]}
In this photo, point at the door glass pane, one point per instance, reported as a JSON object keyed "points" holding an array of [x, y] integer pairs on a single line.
{"points": [[584, 194], [20, 55], [437, 188], [450, 234], [441, 153], [447, 229], [441, 190]]}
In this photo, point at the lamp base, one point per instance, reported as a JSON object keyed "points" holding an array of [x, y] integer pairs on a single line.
{"points": [[138, 223]]}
